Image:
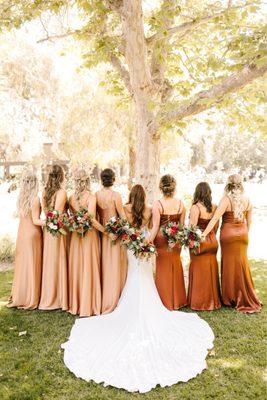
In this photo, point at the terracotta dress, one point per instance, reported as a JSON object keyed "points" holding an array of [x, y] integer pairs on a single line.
{"points": [[28, 265], [204, 288], [54, 292], [84, 271], [237, 284], [169, 270], [113, 262]]}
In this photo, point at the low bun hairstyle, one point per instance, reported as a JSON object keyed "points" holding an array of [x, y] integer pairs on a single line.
{"points": [[203, 195], [53, 184], [137, 199], [107, 177], [167, 185]]}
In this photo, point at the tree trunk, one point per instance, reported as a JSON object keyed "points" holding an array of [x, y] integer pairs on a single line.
{"points": [[132, 160]]}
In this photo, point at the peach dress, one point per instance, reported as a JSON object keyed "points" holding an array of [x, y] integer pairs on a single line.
{"points": [[28, 265], [237, 284], [113, 257], [169, 270], [204, 288], [54, 292], [84, 268]]}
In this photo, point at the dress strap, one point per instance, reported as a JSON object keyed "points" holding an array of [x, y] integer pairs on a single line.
{"points": [[179, 208], [161, 206]]}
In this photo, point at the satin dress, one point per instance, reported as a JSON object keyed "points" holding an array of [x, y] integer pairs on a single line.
{"points": [[204, 288], [54, 292], [84, 270], [28, 265], [113, 260], [169, 270], [237, 284]]}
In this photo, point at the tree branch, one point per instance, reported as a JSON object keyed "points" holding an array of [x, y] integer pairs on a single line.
{"points": [[124, 74], [60, 35], [209, 98]]}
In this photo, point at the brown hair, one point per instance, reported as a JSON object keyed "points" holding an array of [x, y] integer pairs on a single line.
{"points": [[107, 177], [167, 185], [137, 198], [53, 184], [203, 195]]}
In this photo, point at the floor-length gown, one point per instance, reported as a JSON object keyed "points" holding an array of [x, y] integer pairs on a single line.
{"points": [[169, 270], [237, 284], [28, 265], [113, 259], [84, 270], [54, 292], [140, 344], [204, 288]]}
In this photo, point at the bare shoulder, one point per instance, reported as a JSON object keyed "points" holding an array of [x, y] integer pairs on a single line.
{"points": [[36, 202], [116, 194]]}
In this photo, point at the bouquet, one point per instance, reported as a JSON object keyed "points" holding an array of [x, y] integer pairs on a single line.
{"points": [[134, 240], [54, 223], [80, 222], [192, 238], [173, 232], [116, 226]]}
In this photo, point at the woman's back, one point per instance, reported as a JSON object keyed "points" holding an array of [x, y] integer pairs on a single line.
{"points": [[146, 215]]}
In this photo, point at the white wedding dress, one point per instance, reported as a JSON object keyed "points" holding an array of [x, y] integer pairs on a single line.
{"points": [[141, 343]]}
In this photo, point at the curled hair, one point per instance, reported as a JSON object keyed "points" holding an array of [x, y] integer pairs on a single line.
{"points": [[107, 177], [167, 185], [234, 189], [203, 195], [81, 182], [28, 192], [53, 184], [137, 199]]}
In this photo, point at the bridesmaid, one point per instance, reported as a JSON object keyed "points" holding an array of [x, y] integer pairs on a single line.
{"points": [[84, 255], [236, 210], [113, 257], [28, 260], [169, 270], [204, 289], [54, 293]]}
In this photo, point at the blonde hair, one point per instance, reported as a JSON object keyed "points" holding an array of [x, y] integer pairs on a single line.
{"points": [[81, 182], [28, 191], [234, 190]]}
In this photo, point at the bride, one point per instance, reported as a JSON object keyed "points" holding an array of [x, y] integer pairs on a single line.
{"points": [[141, 343]]}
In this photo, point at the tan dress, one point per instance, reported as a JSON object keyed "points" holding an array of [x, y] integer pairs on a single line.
{"points": [[54, 292], [113, 258], [28, 265], [84, 269]]}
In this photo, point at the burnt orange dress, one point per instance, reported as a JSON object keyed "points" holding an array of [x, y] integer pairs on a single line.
{"points": [[204, 288], [113, 262], [84, 270], [237, 284], [54, 292], [169, 270], [28, 265]]}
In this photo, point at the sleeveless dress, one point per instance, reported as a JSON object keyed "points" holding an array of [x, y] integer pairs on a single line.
{"points": [[204, 288], [169, 270], [84, 272], [237, 284], [113, 261], [28, 265], [54, 292], [140, 344]]}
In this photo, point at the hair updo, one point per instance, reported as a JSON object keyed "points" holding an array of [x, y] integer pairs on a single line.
{"points": [[81, 182], [234, 189], [53, 184], [167, 185], [107, 177]]}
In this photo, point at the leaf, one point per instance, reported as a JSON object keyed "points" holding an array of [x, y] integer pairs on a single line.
{"points": [[22, 333]]}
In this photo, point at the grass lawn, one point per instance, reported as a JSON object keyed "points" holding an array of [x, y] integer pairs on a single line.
{"points": [[31, 365]]}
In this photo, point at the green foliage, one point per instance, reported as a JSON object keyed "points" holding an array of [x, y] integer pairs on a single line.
{"points": [[7, 250]]}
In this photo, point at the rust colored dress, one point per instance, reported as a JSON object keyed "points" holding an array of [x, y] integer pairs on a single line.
{"points": [[28, 265], [169, 270], [204, 288], [237, 284], [54, 292], [113, 261], [84, 271]]}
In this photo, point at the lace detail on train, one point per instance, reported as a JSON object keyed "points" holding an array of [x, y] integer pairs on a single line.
{"points": [[141, 343]]}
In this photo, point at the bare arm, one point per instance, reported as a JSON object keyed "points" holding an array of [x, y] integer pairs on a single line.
{"points": [[194, 215], [92, 211], [249, 216], [155, 221], [119, 206], [217, 215], [182, 217], [36, 212], [61, 200]]}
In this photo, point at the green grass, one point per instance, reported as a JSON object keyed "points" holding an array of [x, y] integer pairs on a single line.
{"points": [[31, 366]]}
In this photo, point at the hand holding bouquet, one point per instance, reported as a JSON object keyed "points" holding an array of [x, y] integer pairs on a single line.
{"points": [[192, 238], [80, 222], [116, 226], [173, 232], [54, 223], [136, 241]]}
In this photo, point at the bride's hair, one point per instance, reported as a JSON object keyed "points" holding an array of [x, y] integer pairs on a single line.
{"points": [[53, 184], [167, 185], [137, 199], [28, 192], [203, 195], [234, 189], [81, 182]]}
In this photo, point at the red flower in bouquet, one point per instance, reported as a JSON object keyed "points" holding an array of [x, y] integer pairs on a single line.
{"points": [[54, 224], [173, 232]]}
